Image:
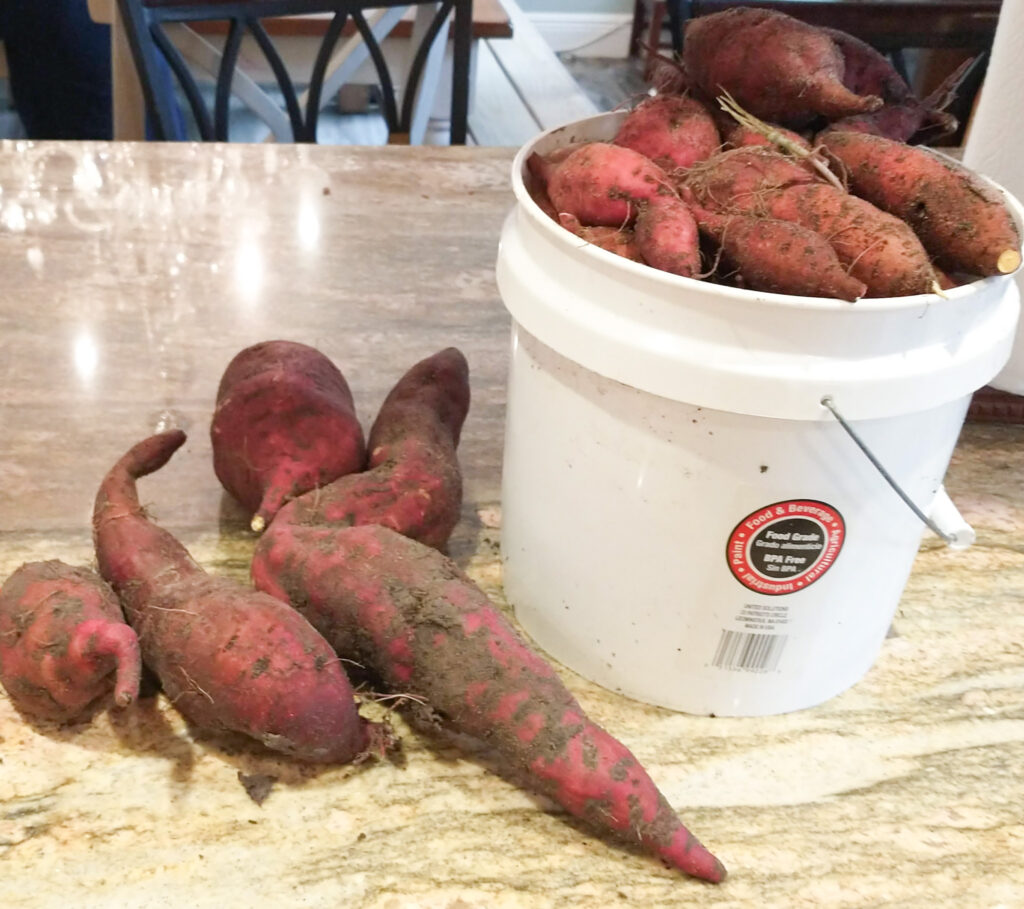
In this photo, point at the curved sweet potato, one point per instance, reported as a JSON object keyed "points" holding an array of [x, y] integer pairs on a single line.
{"points": [[411, 616], [228, 657], [414, 483], [776, 67], [284, 423], [64, 642]]}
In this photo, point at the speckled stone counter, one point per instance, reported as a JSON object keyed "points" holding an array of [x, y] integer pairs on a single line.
{"points": [[131, 275]]}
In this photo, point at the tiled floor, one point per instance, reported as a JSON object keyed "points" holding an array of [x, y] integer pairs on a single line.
{"points": [[609, 81]]}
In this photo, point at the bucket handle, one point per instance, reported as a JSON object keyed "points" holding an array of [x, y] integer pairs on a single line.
{"points": [[960, 534]]}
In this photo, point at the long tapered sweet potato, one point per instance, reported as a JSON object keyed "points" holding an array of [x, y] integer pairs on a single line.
{"points": [[780, 256], [414, 482], [776, 67], [228, 657], [877, 248], [284, 423], [64, 642], [425, 629], [961, 220]]}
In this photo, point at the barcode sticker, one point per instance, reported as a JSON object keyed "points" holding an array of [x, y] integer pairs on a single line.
{"points": [[749, 652]]}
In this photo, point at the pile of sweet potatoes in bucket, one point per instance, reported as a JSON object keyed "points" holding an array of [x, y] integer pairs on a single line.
{"points": [[782, 157], [348, 569]]}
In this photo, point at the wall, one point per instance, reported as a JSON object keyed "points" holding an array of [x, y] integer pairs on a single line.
{"points": [[576, 6], [592, 28]]}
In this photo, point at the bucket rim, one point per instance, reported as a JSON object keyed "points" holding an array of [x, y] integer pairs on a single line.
{"points": [[668, 281]]}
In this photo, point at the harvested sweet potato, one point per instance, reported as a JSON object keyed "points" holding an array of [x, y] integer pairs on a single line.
{"points": [[781, 257], [284, 423], [738, 136], [618, 240], [902, 115], [425, 629], [599, 183], [666, 236], [228, 657], [877, 248], [777, 67], [672, 130], [961, 220], [64, 642], [738, 179], [414, 482]]}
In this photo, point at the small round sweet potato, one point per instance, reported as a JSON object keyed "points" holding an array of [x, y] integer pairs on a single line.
{"points": [[672, 130], [64, 642], [602, 184], [284, 423]]}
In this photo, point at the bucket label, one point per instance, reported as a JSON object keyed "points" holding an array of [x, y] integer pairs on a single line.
{"points": [[785, 547]]}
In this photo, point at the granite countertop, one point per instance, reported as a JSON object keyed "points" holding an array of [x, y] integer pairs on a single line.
{"points": [[132, 275]]}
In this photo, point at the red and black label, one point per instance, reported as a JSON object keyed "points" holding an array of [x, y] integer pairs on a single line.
{"points": [[785, 547]]}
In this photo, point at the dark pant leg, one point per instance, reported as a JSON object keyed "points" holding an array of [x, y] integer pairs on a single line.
{"points": [[59, 65]]}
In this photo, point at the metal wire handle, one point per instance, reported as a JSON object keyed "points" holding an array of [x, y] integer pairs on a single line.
{"points": [[929, 523]]}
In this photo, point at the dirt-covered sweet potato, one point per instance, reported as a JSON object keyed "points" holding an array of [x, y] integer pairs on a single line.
{"points": [[877, 248], [776, 67], [738, 179], [414, 482], [618, 240], [780, 257], [666, 236], [426, 630], [672, 130], [228, 657], [64, 642], [284, 423], [961, 220], [598, 182]]}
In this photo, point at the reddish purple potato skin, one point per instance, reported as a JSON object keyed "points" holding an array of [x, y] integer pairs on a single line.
{"points": [[64, 643], [284, 423]]}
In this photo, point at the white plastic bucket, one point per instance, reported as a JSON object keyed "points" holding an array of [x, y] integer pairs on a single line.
{"points": [[683, 519]]}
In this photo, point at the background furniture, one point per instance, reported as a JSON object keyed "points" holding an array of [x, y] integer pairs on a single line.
{"points": [[296, 35], [147, 21]]}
